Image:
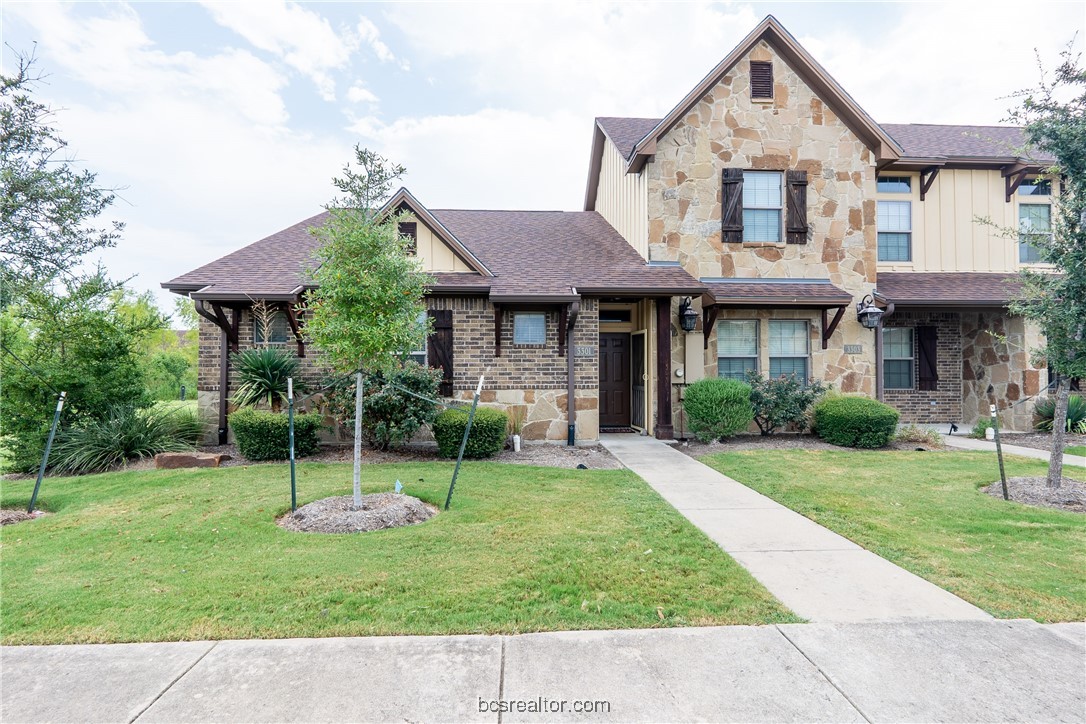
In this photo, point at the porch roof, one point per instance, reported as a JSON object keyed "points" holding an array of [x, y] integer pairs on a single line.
{"points": [[770, 292], [942, 289]]}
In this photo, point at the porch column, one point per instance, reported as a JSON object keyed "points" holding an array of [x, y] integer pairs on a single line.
{"points": [[664, 428]]}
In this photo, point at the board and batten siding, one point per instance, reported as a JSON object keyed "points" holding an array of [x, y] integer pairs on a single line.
{"points": [[947, 233], [622, 199], [432, 252]]}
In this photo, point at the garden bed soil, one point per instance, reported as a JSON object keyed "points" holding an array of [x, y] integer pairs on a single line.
{"points": [[545, 455], [781, 441], [9, 516], [338, 514], [1071, 495], [1039, 440]]}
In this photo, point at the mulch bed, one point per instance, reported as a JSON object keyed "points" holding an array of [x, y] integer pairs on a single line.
{"points": [[780, 441], [9, 516], [1071, 495], [1038, 440], [338, 515]]}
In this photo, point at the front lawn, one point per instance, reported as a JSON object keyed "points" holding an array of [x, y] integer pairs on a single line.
{"points": [[196, 554], [1075, 450], [923, 511]]}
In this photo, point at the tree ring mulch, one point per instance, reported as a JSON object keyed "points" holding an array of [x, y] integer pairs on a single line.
{"points": [[9, 516], [1071, 495], [338, 514]]}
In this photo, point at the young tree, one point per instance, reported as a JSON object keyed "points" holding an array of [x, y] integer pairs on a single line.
{"points": [[1054, 118], [364, 312]]}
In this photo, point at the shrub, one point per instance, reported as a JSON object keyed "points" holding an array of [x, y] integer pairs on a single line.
{"points": [[782, 401], [919, 435], [1045, 410], [855, 422], [717, 407], [262, 376], [487, 436], [126, 433], [390, 415], [980, 428], [263, 435]]}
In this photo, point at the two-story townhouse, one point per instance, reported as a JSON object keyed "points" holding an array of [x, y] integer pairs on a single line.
{"points": [[742, 231]]}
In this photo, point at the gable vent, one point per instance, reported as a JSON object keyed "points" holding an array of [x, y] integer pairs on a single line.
{"points": [[761, 79]]}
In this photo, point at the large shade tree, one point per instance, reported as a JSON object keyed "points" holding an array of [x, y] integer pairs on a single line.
{"points": [[364, 312], [1054, 118]]}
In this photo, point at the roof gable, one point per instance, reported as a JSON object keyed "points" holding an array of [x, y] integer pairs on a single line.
{"points": [[404, 199]]}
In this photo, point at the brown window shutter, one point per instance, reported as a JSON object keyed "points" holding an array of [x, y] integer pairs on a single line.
{"points": [[731, 208], [439, 347], [410, 230], [927, 341], [761, 79], [797, 207]]}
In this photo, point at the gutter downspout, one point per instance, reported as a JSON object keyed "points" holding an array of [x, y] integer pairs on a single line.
{"points": [[571, 402], [879, 352]]}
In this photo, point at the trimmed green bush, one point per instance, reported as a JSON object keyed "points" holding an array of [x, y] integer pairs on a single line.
{"points": [[717, 407], [783, 401], [487, 436], [1045, 411], [263, 435], [979, 429], [855, 422]]}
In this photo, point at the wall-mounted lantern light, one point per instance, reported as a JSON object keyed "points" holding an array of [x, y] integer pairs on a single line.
{"points": [[868, 314], [688, 318]]}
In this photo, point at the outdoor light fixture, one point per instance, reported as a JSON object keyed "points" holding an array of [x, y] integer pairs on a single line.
{"points": [[688, 318], [868, 314]]}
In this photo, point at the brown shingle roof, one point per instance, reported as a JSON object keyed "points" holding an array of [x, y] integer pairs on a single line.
{"points": [[972, 289], [626, 132], [777, 292], [926, 140]]}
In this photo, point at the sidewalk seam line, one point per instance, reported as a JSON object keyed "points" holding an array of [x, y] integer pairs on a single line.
{"points": [[825, 676], [501, 681], [171, 684]]}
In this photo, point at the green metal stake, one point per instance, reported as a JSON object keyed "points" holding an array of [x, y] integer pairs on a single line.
{"points": [[999, 451], [290, 427], [45, 457], [464, 442]]}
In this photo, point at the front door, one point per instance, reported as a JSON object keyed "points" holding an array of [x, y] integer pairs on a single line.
{"points": [[615, 379]]}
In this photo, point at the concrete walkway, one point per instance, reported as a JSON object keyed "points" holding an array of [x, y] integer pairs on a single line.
{"points": [[968, 443], [820, 575], [919, 671]]}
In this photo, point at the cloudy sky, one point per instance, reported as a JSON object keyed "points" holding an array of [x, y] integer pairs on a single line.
{"points": [[224, 122]]}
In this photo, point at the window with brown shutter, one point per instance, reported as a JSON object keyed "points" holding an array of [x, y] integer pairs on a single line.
{"points": [[439, 347], [731, 210], [797, 207], [761, 79], [410, 230], [927, 341]]}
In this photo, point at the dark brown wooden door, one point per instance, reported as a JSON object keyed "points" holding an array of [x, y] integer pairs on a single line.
{"points": [[614, 380]]}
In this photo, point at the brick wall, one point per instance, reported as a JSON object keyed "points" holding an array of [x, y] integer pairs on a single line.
{"points": [[943, 404]]}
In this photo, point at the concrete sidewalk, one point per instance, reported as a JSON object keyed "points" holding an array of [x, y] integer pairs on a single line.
{"points": [[968, 443], [918, 671], [820, 575]]}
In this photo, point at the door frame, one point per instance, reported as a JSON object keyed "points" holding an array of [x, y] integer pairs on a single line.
{"points": [[647, 378]]}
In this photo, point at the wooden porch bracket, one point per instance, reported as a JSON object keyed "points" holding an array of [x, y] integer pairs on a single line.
{"points": [[497, 330], [927, 178], [295, 326], [709, 314], [1013, 176], [227, 323], [829, 328]]}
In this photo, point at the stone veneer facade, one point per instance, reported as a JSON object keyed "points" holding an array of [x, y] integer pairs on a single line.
{"points": [[793, 131], [996, 368], [531, 379]]}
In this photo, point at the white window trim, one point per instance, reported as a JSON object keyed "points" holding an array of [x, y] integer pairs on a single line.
{"points": [[911, 359], [757, 344], [807, 342], [1032, 201], [543, 342], [779, 208], [879, 230]]}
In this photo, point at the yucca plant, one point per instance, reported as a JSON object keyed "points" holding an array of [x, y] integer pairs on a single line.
{"points": [[262, 375], [1045, 410], [125, 433]]}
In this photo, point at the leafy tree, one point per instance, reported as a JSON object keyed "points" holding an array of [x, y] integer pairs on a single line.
{"points": [[46, 204], [1054, 118], [364, 312]]}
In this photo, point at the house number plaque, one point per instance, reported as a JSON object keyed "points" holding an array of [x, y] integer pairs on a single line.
{"points": [[854, 349], [584, 350]]}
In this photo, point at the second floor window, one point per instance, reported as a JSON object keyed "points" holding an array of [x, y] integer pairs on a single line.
{"points": [[788, 348], [762, 204], [410, 231], [1034, 219], [736, 348], [895, 229]]}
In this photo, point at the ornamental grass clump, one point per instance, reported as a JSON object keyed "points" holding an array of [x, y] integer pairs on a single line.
{"points": [[718, 408], [855, 422], [487, 437], [262, 376], [1045, 411], [123, 434]]}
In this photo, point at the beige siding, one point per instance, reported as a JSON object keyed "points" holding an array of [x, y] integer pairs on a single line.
{"points": [[433, 253], [948, 234], [621, 199]]}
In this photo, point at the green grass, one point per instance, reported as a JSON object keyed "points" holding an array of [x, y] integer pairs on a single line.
{"points": [[924, 511], [194, 554], [1075, 450]]}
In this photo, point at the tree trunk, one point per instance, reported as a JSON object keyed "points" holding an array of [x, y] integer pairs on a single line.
{"points": [[358, 440], [1059, 433]]}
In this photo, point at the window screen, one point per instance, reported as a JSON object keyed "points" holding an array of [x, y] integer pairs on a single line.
{"points": [[529, 328]]}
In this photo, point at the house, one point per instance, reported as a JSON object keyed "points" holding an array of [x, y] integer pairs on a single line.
{"points": [[742, 231]]}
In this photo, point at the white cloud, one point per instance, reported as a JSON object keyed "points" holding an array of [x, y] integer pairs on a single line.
{"points": [[369, 34], [358, 93], [302, 38]]}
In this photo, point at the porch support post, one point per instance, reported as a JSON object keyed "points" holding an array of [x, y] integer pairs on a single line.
{"points": [[571, 380], [227, 340], [497, 330], [664, 428]]}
